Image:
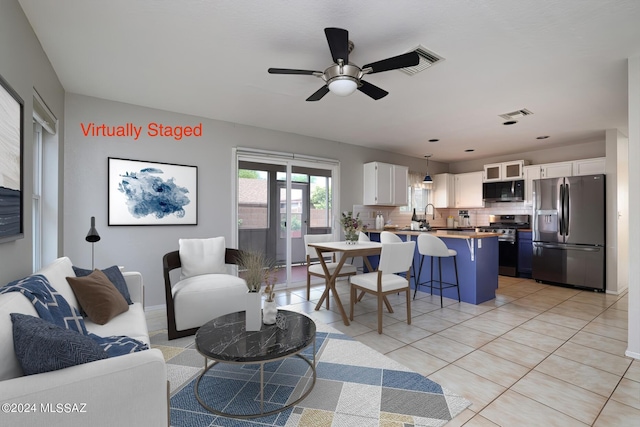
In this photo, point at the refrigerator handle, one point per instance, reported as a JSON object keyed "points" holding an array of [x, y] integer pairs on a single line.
{"points": [[561, 216], [565, 216]]}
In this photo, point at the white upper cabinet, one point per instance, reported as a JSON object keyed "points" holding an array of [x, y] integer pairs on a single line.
{"points": [[443, 190], [530, 173], [556, 170], [504, 171], [400, 195], [385, 184], [589, 166], [468, 190]]}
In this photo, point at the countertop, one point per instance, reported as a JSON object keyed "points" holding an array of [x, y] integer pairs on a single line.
{"points": [[457, 234]]}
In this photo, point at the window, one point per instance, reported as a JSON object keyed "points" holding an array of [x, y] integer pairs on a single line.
{"points": [[37, 197], [46, 185], [320, 215], [253, 199], [420, 194]]}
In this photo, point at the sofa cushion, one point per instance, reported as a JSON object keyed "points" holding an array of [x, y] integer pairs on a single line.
{"points": [[202, 298], [132, 323], [57, 273], [98, 297], [42, 346], [115, 276], [13, 302], [202, 256]]}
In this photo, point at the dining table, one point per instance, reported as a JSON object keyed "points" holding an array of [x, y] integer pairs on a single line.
{"points": [[346, 250]]}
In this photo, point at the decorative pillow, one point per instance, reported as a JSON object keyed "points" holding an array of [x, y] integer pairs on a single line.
{"points": [[41, 346], [98, 297], [202, 256], [115, 276]]}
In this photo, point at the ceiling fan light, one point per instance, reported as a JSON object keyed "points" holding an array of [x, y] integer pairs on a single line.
{"points": [[343, 86]]}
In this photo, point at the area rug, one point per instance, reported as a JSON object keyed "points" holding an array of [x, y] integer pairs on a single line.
{"points": [[356, 386]]}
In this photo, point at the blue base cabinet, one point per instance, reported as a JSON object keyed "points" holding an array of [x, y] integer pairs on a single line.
{"points": [[525, 254]]}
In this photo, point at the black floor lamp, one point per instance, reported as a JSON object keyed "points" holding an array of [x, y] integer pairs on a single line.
{"points": [[92, 236]]}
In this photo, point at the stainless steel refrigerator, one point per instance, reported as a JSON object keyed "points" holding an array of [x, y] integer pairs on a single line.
{"points": [[569, 231]]}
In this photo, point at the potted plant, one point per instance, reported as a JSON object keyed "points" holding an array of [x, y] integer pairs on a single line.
{"points": [[351, 225], [255, 269]]}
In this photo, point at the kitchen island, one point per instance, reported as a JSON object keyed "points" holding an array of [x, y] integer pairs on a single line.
{"points": [[477, 263]]}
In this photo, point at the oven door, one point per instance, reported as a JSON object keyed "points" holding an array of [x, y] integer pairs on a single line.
{"points": [[507, 258]]}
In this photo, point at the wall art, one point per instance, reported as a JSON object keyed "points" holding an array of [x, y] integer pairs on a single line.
{"points": [[11, 166], [152, 193]]}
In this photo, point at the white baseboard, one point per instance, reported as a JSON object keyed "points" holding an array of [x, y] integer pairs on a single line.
{"points": [[618, 292], [150, 309], [633, 354]]}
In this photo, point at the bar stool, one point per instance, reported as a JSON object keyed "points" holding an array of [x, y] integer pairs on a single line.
{"points": [[432, 246]]}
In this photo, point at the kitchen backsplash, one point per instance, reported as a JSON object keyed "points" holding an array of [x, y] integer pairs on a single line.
{"points": [[477, 216]]}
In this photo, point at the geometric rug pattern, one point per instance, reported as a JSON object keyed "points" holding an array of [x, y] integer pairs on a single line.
{"points": [[356, 387]]}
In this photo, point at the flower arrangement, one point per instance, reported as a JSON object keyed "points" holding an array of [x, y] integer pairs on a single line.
{"points": [[270, 279], [351, 226], [351, 223], [256, 269]]}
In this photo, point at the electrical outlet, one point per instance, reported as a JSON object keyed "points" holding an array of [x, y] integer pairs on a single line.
{"points": [[463, 212]]}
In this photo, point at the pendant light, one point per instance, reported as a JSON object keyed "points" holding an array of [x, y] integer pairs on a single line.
{"points": [[427, 178]]}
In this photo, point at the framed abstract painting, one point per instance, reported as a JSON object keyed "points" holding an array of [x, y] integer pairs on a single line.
{"points": [[11, 167], [152, 193]]}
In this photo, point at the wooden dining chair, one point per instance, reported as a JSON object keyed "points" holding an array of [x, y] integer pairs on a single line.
{"points": [[314, 268], [394, 258]]}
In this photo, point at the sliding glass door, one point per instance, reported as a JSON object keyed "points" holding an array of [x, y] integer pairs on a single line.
{"points": [[278, 201]]}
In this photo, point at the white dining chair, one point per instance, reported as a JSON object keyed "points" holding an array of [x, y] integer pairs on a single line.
{"points": [[314, 268], [389, 237], [394, 258]]}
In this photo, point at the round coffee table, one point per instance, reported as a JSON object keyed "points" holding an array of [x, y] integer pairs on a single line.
{"points": [[225, 340]]}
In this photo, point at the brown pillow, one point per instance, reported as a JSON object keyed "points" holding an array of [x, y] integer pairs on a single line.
{"points": [[98, 297]]}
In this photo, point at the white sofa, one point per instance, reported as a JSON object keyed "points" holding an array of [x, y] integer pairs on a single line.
{"points": [[128, 390]]}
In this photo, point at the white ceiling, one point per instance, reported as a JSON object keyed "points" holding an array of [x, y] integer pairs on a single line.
{"points": [[564, 60]]}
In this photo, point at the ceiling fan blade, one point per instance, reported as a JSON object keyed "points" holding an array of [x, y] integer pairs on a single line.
{"points": [[291, 71], [408, 59], [372, 90], [338, 40], [317, 96]]}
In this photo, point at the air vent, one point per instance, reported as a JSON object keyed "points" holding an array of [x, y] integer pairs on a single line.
{"points": [[515, 115], [427, 59]]}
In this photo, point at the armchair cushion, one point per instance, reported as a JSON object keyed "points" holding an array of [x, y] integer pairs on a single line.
{"points": [[202, 256], [98, 297], [41, 346], [115, 276]]}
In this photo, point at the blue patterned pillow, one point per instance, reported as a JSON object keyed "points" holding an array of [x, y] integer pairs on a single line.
{"points": [[41, 346], [114, 274]]}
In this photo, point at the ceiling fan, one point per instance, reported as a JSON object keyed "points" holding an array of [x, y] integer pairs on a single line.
{"points": [[343, 78]]}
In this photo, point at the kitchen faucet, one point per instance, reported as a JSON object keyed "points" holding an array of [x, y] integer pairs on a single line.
{"points": [[434, 210]]}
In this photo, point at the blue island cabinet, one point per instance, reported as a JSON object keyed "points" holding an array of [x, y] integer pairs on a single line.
{"points": [[525, 254], [477, 267]]}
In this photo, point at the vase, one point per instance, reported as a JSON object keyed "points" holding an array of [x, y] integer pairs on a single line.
{"points": [[269, 312], [253, 312], [351, 236]]}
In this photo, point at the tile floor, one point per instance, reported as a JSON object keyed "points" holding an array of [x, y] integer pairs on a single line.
{"points": [[536, 355]]}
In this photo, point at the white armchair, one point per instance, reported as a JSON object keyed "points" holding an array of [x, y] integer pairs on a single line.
{"points": [[193, 301]]}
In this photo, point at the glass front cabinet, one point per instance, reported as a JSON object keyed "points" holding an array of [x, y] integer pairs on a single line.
{"points": [[504, 171]]}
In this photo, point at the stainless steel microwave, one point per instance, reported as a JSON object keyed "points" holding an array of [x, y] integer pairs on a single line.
{"points": [[503, 191]]}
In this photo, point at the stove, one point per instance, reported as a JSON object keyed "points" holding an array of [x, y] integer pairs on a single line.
{"points": [[507, 228]]}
